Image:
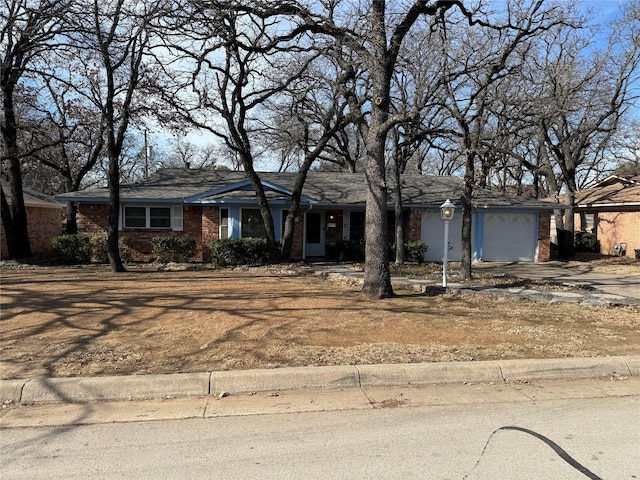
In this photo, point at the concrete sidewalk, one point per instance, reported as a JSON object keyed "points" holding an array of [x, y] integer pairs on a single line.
{"points": [[85, 389]]}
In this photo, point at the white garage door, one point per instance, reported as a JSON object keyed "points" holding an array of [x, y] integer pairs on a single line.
{"points": [[432, 233], [509, 237]]}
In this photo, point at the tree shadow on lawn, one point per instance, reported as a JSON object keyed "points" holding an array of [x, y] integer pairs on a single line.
{"points": [[62, 325]]}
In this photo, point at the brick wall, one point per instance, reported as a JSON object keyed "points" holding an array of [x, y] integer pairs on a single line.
{"points": [[618, 227], [43, 224], [414, 232], [544, 240], [298, 237], [210, 230], [93, 218]]}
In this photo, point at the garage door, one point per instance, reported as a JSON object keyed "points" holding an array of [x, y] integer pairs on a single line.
{"points": [[432, 234], [509, 237]]}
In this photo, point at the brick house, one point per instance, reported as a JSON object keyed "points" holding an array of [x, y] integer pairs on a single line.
{"points": [[611, 210], [214, 204], [44, 221]]}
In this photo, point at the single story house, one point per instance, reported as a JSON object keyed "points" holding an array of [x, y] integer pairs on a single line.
{"points": [[44, 221], [214, 204], [611, 210]]}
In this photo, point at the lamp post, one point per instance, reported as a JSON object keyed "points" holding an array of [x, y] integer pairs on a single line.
{"points": [[446, 212]]}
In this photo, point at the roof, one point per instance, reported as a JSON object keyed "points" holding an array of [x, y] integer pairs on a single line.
{"points": [[323, 189], [611, 193], [33, 199]]}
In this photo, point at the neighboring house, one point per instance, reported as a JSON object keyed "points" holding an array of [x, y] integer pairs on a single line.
{"points": [[214, 204], [611, 210], [44, 221]]}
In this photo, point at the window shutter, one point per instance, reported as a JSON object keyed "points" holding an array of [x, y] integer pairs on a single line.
{"points": [[177, 218], [120, 209]]}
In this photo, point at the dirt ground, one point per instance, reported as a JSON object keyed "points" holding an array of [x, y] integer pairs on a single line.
{"points": [[77, 321]]}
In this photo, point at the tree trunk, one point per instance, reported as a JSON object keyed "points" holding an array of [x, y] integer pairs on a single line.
{"points": [[70, 218], [467, 216], [15, 226], [399, 217], [377, 278], [114, 212]]}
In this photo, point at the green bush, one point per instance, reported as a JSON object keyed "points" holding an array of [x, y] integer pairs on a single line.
{"points": [[83, 248], [173, 248], [231, 252], [586, 242], [414, 251], [100, 248], [73, 249], [349, 250]]}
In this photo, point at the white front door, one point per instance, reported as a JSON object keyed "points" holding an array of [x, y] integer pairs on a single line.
{"points": [[314, 234]]}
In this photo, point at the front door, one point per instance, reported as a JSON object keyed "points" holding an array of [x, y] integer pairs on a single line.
{"points": [[314, 234]]}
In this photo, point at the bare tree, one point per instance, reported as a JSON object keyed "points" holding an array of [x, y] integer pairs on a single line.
{"points": [[70, 131], [114, 40], [228, 59], [474, 67], [27, 30], [582, 95]]}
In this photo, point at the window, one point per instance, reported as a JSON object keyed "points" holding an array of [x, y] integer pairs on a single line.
{"points": [[135, 217], [252, 224], [224, 223], [153, 217], [160, 217]]}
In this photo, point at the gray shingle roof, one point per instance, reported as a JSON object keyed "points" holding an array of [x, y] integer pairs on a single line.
{"points": [[321, 188]]}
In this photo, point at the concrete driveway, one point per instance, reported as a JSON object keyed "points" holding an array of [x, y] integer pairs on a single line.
{"points": [[626, 285]]}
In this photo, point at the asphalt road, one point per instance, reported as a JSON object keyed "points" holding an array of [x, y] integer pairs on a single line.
{"points": [[547, 430]]}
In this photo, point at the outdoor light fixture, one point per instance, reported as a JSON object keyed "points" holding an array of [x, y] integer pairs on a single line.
{"points": [[447, 209]]}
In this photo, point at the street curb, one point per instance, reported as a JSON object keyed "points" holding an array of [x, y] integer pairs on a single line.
{"points": [[83, 389]]}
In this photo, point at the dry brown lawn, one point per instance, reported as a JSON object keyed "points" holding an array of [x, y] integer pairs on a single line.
{"points": [[76, 321]]}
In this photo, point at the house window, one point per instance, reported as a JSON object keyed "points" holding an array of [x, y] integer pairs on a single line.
{"points": [[252, 224], [153, 217], [224, 223], [135, 217], [160, 217]]}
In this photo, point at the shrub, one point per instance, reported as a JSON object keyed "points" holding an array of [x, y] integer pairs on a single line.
{"points": [[414, 251], [350, 250], [231, 252], [100, 248], [586, 242], [73, 249], [82, 248], [173, 248]]}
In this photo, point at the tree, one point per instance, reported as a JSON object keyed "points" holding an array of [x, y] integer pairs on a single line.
{"points": [[229, 59], [313, 102], [372, 36], [27, 30], [70, 130], [582, 95], [114, 40], [474, 64]]}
